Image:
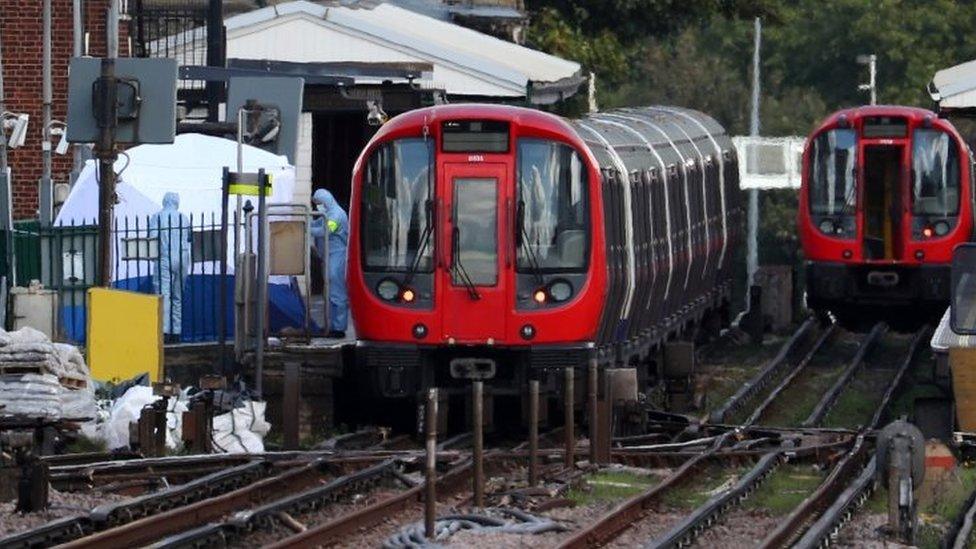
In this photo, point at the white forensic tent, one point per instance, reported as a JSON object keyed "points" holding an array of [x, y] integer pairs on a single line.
{"points": [[192, 166]]}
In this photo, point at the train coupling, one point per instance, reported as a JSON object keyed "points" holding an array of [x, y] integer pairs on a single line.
{"points": [[885, 279], [473, 368]]}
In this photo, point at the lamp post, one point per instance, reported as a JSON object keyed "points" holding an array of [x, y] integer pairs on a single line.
{"points": [[871, 61]]}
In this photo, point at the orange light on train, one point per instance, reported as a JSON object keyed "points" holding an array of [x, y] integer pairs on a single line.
{"points": [[539, 296], [408, 296]]}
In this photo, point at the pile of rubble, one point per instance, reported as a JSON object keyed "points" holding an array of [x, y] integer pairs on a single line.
{"points": [[43, 379]]}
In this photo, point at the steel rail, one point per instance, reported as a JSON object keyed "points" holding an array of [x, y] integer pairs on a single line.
{"points": [[758, 412], [830, 397], [114, 514], [827, 527], [624, 515], [703, 517], [752, 387], [337, 529], [242, 522], [154, 527], [957, 537], [817, 517]]}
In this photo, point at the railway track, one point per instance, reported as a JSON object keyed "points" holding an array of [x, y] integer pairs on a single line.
{"points": [[846, 486], [298, 499]]}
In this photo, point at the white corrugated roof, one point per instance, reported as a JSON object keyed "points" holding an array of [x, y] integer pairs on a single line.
{"points": [[955, 87], [504, 66]]}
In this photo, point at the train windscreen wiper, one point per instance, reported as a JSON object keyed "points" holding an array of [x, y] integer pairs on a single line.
{"points": [[459, 269], [424, 242], [522, 238]]}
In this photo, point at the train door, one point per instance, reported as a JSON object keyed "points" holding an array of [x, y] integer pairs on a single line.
{"points": [[882, 202], [475, 295]]}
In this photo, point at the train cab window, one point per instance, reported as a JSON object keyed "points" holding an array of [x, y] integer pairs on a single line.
{"points": [[552, 217], [397, 206], [832, 184], [935, 174]]}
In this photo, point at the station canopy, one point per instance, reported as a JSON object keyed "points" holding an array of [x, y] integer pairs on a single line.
{"points": [[466, 63], [954, 88]]}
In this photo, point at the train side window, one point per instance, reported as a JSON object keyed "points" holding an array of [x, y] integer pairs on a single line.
{"points": [[962, 318], [935, 173]]}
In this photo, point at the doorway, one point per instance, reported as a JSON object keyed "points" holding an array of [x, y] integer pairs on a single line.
{"points": [[882, 200]]}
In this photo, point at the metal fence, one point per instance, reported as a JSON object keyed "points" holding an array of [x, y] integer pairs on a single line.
{"points": [[176, 29], [177, 257]]}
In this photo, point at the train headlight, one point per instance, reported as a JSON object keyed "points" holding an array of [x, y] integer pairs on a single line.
{"points": [[827, 227], [539, 296], [419, 331], [927, 232], [408, 295], [388, 289], [527, 332], [941, 228], [560, 290]]}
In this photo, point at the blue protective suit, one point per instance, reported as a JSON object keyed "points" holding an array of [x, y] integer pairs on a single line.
{"points": [[175, 235], [336, 226]]}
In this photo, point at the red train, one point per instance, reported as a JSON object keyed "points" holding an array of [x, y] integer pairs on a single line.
{"points": [[515, 241], [887, 193]]}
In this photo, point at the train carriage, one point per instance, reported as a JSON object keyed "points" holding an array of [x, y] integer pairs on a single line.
{"points": [[887, 193], [513, 240]]}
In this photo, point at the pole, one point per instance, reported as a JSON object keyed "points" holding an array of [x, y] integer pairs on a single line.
{"points": [[78, 39], [45, 194], [568, 427], [430, 500], [752, 248], [477, 418], [105, 152], [112, 27], [222, 314], [873, 67], [215, 57], [262, 282], [592, 397], [533, 432], [6, 199]]}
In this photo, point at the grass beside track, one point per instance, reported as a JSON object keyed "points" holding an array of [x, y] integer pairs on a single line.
{"points": [[785, 489], [702, 487], [727, 365], [610, 485], [797, 401]]}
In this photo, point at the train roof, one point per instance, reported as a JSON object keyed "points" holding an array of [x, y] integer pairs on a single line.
{"points": [[912, 113], [430, 115]]}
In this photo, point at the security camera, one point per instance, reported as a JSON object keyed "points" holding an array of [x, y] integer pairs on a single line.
{"points": [[18, 130], [375, 116], [62, 147]]}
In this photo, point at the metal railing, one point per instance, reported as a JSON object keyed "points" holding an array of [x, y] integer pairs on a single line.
{"points": [[178, 257]]}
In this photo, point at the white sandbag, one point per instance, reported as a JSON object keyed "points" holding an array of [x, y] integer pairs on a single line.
{"points": [[78, 403], [34, 395], [242, 430], [127, 409]]}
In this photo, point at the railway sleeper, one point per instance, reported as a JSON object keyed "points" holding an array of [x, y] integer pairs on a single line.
{"points": [[267, 515], [686, 531]]}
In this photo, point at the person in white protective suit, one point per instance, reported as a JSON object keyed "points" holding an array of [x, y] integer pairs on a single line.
{"points": [[335, 226], [173, 230]]}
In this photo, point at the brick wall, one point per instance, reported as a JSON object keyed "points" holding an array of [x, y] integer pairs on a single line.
{"points": [[21, 32]]}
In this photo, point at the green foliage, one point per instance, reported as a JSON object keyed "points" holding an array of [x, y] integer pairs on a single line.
{"points": [[698, 53]]}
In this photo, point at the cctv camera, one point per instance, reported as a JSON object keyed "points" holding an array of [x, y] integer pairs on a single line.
{"points": [[62, 147], [18, 132], [375, 116]]}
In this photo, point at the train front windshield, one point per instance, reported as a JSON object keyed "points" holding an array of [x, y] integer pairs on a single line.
{"points": [[397, 213], [832, 184], [552, 210], [935, 174]]}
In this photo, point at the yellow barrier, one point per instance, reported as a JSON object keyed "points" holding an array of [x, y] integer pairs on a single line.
{"points": [[125, 334]]}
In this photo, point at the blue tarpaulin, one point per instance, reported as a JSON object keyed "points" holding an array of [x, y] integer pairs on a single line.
{"points": [[201, 303]]}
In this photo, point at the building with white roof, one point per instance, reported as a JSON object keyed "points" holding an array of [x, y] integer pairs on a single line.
{"points": [[465, 64]]}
